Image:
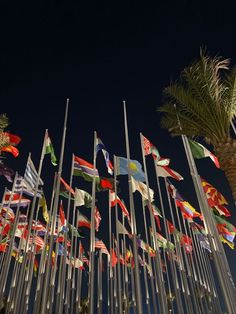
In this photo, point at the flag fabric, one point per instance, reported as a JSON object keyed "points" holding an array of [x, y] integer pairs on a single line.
{"points": [[7, 172], [97, 218], [22, 186], [62, 219], [13, 139], [173, 191], [133, 167], [11, 149], [187, 210], [199, 151], [121, 229], [99, 244], [43, 204], [84, 169], [101, 146], [83, 221], [31, 174], [14, 199], [114, 259], [168, 172], [213, 195], [65, 189], [142, 189], [105, 184], [50, 150], [149, 148], [222, 210], [114, 199], [82, 198], [224, 222]]}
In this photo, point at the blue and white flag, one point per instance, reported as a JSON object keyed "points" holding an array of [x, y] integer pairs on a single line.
{"points": [[101, 146], [31, 175]]}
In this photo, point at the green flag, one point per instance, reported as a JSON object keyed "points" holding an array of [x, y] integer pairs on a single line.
{"points": [[49, 150]]}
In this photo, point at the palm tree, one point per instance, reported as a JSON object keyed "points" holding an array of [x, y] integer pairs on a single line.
{"points": [[4, 139], [204, 100]]}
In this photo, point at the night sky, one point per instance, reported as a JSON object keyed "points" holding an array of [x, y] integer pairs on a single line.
{"points": [[98, 54]]}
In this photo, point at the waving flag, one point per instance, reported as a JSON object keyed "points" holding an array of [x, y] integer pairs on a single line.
{"points": [[8, 173], [114, 199], [31, 174], [101, 146], [133, 167], [11, 149], [149, 148], [167, 172], [50, 150], [142, 189], [199, 151], [83, 221], [82, 198], [84, 169]]}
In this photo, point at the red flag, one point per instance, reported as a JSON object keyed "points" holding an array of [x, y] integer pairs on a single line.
{"points": [[114, 259], [13, 139], [11, 149]]}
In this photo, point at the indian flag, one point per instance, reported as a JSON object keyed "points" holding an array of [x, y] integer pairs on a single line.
{"points": [[199, 151]]}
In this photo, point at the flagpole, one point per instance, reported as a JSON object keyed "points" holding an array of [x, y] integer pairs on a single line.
{"points": [[118, 244], [110, 267], [92, 235], [149, 260], [55, 206], [133, 223], [161, 287]]}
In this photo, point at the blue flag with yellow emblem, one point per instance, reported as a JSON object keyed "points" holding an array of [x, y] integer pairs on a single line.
{"points": [[133, 166]]}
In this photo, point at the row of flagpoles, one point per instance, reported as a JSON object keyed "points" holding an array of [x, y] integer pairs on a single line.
{"points": [[161, 259]]}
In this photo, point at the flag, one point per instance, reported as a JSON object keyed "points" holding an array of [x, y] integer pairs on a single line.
{"points": [[114, 199], [65, 189], [105, 184], [149, 148], [121, 229], [222, 210], [99, 244], [14, 199], [133, 167], [199, 151], [84, 169], [13, 139], [187, 210], [173, 191], [167, 172], [43, 204], [214, 197], [22, 186], [101, 146], [114, 259], [97, 218], [83, 221], [224, 222], [82, 198], [62, 219], [8, 173], [50, 150], [11, 149], [142, 189], [31, 174]]}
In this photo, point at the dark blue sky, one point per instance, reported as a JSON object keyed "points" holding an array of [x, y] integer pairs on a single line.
{"points": [[98, 54]]}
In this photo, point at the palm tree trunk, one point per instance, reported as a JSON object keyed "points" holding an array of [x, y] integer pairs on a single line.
{"points": [[226, 153]]}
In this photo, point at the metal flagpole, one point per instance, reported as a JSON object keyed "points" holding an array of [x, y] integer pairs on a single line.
{"points": [[154, 297], [133, 223], [173, 265], [173, 272], [92, 235], [119, 288], [55, 206], [110, 267]]}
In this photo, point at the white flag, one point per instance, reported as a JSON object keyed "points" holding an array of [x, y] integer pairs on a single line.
{"points": [[142, 188]]}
